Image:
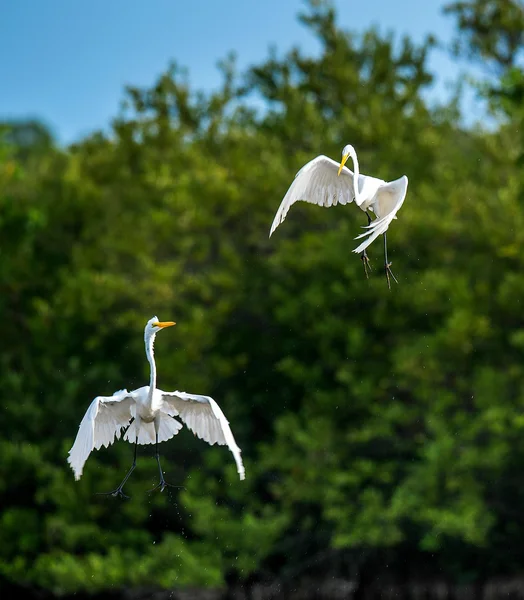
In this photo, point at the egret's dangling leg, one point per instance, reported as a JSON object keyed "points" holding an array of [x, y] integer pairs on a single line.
{"points": [[387, 264], [118, 491], [364, 255], [162, 483]]}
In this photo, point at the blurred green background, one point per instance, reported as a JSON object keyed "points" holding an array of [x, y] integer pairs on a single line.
{"points": [[382, 432]]}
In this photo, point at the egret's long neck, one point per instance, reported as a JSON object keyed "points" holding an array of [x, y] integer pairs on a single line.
{"points": [[356, 173], [149, 341]]}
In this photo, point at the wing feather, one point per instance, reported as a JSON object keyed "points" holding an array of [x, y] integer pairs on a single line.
{"points": [[103, 422], [389, 199], [317, 182], [206, 420]]}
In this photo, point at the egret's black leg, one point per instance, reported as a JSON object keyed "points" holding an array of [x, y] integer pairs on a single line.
{"points": [[364, 255], [162, 483], [387, 265], [118, 491]]}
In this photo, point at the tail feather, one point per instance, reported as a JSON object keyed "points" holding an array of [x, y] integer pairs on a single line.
{"points": [[168, 428]]}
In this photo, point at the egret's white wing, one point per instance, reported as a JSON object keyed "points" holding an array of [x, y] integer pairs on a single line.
{"points": [[317, 182], [206, 420], [389, 199], [103, 421]]}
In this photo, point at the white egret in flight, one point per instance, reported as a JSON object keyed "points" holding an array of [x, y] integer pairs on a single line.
{"points": [[148, 413], [325, 182]]}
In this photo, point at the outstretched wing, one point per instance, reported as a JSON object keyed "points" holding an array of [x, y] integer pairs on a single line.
{"points": [[103, 421], [389, 199], [206, 420], [317, 182]]}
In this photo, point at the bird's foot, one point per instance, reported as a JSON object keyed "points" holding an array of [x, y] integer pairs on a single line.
{"points": [[118, 492], [389, 274], [163, 484], [367, 265]]}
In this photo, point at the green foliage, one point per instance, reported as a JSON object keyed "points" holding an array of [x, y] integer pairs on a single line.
{"points": [[373, 424], [492, 30]]}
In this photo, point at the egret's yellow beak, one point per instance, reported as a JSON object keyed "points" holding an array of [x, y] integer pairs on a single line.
{"points": [[163, 324], [343, 162]]}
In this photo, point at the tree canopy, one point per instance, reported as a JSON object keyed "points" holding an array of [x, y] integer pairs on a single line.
{"points": [[380, 430]]}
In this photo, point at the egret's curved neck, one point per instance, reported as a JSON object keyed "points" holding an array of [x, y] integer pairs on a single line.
{"points": [[149, 341], [356, 173]]}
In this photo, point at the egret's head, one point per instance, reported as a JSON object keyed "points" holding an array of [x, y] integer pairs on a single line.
{"points": [[347, 151], [154, 325]]}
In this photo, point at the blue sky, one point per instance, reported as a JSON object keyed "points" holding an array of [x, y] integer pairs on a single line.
{"points": [[67, 61]]}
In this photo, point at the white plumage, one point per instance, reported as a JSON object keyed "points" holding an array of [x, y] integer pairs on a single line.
{"points": [[327, 183], [206, 420], [385, 203], [317, 183], [152, 413]]}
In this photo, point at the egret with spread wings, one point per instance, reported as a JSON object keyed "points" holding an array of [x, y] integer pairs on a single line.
{"points": [[149, 416], [327, 183]]}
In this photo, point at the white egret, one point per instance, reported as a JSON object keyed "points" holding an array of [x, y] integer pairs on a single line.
{"points": [[325, 182], [148, 413]]}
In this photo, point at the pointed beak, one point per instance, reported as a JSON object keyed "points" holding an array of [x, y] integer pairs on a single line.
{"points": [[342, 163], [163, 324]]}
